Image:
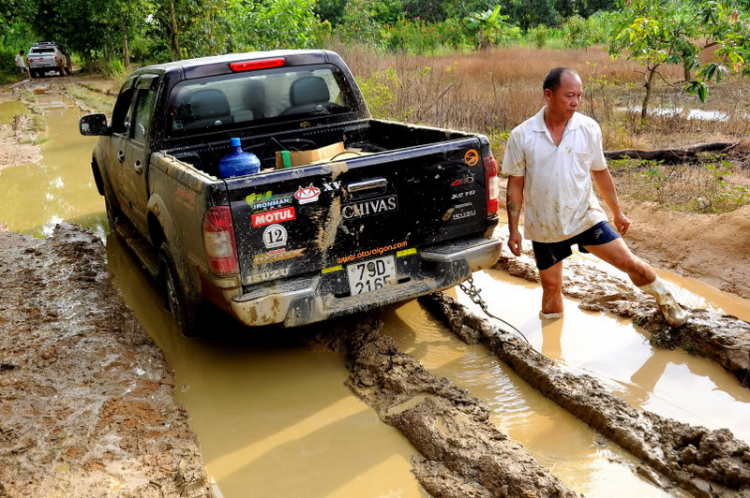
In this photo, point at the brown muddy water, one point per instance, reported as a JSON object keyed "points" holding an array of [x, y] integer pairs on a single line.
{"points": [[275, 419], [60, 187]]}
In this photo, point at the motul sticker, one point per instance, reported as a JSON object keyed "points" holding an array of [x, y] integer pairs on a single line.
{"points": [[306, 195], [271, 217]]}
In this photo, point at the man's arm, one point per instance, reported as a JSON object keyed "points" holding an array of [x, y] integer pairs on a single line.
{"points": [[606, 187], [514, 201]]}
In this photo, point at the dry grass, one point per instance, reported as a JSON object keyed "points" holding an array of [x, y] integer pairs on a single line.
{"points": [[494, 91]]}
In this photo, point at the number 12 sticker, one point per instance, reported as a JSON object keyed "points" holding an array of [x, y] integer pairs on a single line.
{"points": [[274, 236]]}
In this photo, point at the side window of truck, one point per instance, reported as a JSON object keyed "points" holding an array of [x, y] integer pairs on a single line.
{"points": [[121, 114], [143, 107], [144, 104]]}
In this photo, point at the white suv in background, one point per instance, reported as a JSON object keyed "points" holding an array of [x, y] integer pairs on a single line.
{"points": [[48, 56]]}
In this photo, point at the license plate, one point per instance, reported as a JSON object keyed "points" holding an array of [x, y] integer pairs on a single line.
{"points": [[371, 275]]}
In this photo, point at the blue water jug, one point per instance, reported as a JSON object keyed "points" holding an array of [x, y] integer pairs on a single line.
{"points": [[239, 162]]}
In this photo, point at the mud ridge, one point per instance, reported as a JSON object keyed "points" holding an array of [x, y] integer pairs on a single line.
{"points": [[86, 397], [724, 339], [464, 454], [703, 462]]}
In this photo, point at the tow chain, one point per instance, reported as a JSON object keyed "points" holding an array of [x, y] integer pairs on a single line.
{"points": [[474, 294]]}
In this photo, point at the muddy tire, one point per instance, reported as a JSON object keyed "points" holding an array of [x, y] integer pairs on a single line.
{"points": [[174, 296], [112, 213]]}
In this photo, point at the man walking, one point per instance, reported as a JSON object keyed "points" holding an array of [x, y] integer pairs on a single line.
{"points": [[21, 64], [552, 159]]}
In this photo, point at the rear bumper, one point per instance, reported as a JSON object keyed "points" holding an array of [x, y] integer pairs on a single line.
{"points": [[44, 65], [301, 301]]}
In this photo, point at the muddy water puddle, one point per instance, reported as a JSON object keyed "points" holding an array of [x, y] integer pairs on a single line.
{"points": [[60, 187], [9, 109], [671, 383], [273, 419], [585, 461]]}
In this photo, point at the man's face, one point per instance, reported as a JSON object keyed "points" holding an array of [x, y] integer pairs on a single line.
{"points": [[565, 100]]}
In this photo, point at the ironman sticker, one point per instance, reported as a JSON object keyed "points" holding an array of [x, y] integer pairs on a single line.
{"points": [[271, 217]]}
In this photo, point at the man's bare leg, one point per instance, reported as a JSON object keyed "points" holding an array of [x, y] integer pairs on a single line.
{"points": [[643, 276], [618, 255], [552, 299]]}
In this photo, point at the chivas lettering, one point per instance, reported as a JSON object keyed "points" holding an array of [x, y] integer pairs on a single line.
{"points": [[370, 207]]}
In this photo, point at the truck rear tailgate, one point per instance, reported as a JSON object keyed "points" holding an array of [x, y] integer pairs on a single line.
{"points": [[320, 219]]}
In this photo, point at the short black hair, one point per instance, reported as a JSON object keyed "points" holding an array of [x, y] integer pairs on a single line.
{"points": [[20, 52], [552, 80]]}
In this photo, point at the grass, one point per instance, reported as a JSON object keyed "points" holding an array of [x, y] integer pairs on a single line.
{"points": [[95, 100], [494, 91]]}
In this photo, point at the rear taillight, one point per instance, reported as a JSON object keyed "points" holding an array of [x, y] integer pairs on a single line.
{"points": [[218, 239], [493, 185], [56, 59]]}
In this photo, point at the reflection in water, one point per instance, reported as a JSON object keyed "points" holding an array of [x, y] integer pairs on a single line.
{"points": [[671, 383], [60, 187], [273, 418], [559, 441]]}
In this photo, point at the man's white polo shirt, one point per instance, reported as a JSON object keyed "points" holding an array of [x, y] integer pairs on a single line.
{"points": [[559, 200]]}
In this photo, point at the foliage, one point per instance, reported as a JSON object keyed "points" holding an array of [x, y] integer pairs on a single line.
{"points": [[659, 32], [583, 33], [528, 13], [489, 28], [541, 35]]}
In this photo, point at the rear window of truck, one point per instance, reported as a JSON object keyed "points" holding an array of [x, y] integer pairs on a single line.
{"points": [[220, 102], [42, 51]]}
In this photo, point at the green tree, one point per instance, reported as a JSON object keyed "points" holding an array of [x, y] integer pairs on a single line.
{"points": [[488, 27], [659, 32]]}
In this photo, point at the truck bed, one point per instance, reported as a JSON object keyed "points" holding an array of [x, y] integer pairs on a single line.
{"points": [[415, 189]]}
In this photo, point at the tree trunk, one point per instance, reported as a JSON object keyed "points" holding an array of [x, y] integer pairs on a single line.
{"points": [[125, 50], [174, 31], [688, 76], [649, 80]]}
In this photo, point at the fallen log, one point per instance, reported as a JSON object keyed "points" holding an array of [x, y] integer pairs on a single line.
{"points": [[670, 155]]}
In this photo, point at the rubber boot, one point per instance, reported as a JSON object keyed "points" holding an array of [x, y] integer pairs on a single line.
{"points": [[550, 316], [673, 313]]}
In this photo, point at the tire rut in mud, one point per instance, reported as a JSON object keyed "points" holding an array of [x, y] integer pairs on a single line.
{"points": [[86, 397], [464, 454], [724, 339], [703, 462]]}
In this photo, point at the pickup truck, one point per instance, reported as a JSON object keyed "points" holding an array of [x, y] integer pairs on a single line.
{"points": [[406, 211], [48, 56]]}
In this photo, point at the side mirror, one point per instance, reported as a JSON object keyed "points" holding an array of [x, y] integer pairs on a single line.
{"points": [[93, 125]]}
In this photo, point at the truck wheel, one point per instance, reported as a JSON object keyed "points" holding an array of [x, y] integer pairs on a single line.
{"points": [[112, 213], [174, 297]]}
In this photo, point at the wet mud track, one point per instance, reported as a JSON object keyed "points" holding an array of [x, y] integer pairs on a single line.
{"points": [[86, 398], [463, 453], [722, 338], [703, 462]]}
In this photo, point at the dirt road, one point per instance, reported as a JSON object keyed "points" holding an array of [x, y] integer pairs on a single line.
{"points": [[87, 402], [86, 398]]}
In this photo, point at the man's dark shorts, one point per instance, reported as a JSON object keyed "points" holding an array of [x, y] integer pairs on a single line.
{"points": [[548, 255]]}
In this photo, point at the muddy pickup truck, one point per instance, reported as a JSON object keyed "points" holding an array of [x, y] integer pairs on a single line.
{"points": [[404, 211]]}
